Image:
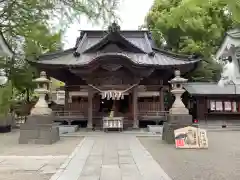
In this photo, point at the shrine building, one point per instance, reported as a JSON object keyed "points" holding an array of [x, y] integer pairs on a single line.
{"points": [[219, 102], [114, 70]]}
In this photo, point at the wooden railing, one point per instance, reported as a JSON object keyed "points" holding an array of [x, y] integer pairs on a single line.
{"points": [[152, 115], [149, 106], [68, 114]]}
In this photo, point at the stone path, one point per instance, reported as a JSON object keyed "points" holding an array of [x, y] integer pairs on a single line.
{"points": [[108, 157], [29, 167]]}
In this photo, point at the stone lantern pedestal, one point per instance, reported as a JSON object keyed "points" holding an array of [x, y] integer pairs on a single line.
{"points": [[39, 128], [178, 116]]}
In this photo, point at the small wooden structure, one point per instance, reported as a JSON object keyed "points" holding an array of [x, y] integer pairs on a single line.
{"points": [[211, 102], [112, 123], [219, 102], [115, 63]]}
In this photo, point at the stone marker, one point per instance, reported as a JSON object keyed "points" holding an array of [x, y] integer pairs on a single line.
{"points": [[191, 137], [39, 128], [178, 116]]}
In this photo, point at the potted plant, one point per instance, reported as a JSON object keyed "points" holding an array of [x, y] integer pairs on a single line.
{"points": [[5, 104]]}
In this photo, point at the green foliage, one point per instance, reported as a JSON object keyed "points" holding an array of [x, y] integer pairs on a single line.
{"points": [[23, 13], [5, 99], [28, 26], [39, 40], [193, 26]]}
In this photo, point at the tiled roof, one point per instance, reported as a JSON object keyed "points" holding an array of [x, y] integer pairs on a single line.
{"points": [[139, 49], [159, 59], [91, 38], [211, 89]]}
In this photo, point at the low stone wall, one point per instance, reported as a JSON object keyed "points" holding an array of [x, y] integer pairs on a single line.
{"points": [[155, 128], [63, 129]]}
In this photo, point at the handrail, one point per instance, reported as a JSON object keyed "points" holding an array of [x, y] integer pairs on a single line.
{"points": [[78, 113], [68, 113], [156, 113]]}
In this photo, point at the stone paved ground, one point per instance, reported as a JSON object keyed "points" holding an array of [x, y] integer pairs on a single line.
{"points": [[32, 162], [110, 156], [220, 162]]}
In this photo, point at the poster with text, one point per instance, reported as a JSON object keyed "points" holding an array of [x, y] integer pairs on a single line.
{"points": [[219, 106], [186, 137], [227, 106]]}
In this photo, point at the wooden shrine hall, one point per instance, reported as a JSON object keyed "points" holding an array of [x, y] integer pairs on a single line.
{"points": [[115, 71]]}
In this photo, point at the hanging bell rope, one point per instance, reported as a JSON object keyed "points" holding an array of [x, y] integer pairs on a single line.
{"points": [[112, 94]]}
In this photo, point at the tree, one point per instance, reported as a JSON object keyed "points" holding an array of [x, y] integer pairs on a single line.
{"points": [[26, 25], [192, 27], [37, 41], [22, 13]]}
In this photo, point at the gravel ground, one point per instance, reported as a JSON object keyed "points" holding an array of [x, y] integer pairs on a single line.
{"points": [[220, 162], [9, 146]]}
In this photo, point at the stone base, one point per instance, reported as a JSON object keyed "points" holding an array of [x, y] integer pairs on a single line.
{"points": [[174, 122], [5, 129], [155, 128], [181, 110], [39, 130], [67, 129]]}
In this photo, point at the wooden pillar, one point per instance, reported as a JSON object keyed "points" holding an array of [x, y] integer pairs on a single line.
{"points": [[201, 108], [161, 99], [66, 104], [90, 108], [135, 108]]}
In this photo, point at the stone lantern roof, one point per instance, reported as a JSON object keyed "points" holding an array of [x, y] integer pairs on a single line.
{"points": [[177, 78], [42, 78]]}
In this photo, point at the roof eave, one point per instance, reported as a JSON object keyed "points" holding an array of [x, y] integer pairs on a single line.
{"points": [[49, 56], [178, 56]]}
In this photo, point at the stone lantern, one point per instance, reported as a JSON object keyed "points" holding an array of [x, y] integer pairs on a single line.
{"points": [[41, 107], [39, 127], [178, 116], [177, 90]]}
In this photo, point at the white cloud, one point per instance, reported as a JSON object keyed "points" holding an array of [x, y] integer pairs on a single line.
{"points": [[132, 14]]}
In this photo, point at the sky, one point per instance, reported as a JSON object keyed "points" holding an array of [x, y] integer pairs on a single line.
{"points": [[131, 12]]}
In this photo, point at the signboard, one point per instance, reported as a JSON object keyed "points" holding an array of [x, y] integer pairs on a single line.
{"points": [[191, 137], [219, 106], [227, 106]]}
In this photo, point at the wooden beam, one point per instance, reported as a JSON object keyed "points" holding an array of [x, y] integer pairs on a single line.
{"points": [[135, 107], [161, 98], [90, 108]]}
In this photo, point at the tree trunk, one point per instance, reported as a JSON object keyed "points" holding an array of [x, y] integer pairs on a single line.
{"points": [[28, 95]]}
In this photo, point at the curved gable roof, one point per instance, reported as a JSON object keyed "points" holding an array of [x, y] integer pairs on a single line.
{"points": [[139, 50], [160, 59]]}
